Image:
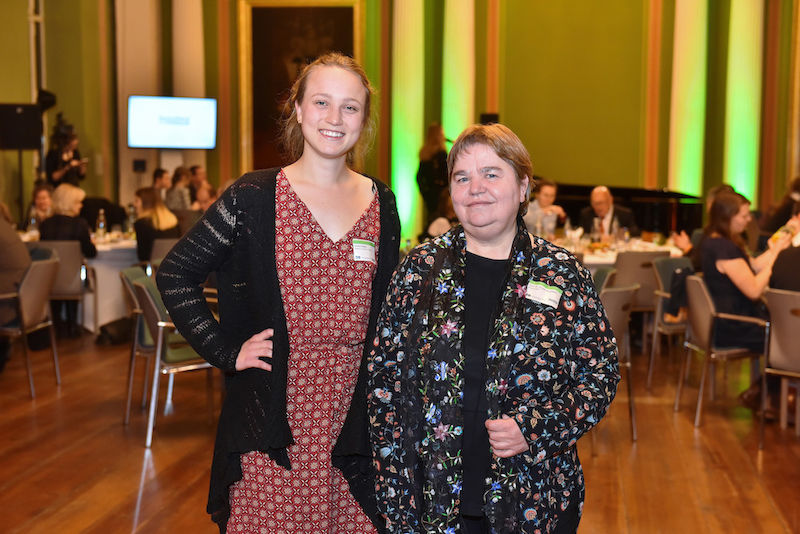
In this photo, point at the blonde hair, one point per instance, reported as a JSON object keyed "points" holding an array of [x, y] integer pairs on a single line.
{"points": [[505, 144], [154, 209], [291, 131], [65, 197]]}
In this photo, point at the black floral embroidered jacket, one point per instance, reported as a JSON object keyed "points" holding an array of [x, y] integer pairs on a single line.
{"points": [[551, 364]]}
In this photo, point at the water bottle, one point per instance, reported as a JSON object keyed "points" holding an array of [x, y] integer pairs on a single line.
{"points": [[100, 232], [130, 222], [32, 222]]}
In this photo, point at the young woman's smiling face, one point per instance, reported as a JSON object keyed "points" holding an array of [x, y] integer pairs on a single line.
{"points": [[331, 113]]}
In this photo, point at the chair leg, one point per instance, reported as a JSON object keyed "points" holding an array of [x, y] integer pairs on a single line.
{"points": [[146, 380], [699, 410], [761, 414], [651, 365], [168, 407], [784, 410], [151, 417], [631, 402], [53, 347], [796, 411], [682, 376], [28, 365], [131, 369], [713, 379]]}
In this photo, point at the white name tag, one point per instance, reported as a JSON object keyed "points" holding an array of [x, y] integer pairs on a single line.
{"points": [[363, 250], [543, 293]]}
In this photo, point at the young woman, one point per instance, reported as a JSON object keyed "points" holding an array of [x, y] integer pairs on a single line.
{"points": [[63, 163], [154, 221], [303, 255]]}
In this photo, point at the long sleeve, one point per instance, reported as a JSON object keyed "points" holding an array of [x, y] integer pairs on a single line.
{"points": [[392, 375], [552, 425], [184, 270]]}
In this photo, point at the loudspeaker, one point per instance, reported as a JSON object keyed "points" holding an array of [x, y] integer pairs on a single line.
{"points": [[45, 99], [20, 126], [490, 118], [139, 165]]}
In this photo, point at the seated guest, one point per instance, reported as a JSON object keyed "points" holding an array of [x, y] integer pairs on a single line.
{"points": [[603, 208], [787, 266], [735, 280], [162, 182], [178, 197], [205, 196], [14, 261], [154, 221], [542, 210], [789, 204], [41, 205], [198, 180], [66, 225]]}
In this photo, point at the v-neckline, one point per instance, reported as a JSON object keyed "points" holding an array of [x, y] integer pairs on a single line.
{"points": [[316, 223]]}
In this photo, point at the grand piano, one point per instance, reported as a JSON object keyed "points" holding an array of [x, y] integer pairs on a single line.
{"points": [[656, 210]]}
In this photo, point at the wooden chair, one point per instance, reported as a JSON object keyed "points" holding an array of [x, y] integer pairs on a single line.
{"points": [[636, 267], [33, 304], [168, 359], [618, 303], [782, 354], [663, 269], [702, 317]]}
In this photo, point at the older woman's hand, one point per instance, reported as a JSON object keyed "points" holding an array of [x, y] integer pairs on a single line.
{"points": [[258, 346], [505, 437]]}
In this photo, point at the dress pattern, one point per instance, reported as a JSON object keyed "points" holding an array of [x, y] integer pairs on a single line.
{"points": [[326, 295]]}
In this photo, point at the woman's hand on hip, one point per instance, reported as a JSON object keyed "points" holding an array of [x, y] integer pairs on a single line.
{"points": [[257, 347], [505, 437]]}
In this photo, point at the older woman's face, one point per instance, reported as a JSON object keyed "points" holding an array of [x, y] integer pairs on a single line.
{"points": [[486, 193]]}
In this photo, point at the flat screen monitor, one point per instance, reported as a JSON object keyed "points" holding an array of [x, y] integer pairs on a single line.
{"points": [[171, 122]]}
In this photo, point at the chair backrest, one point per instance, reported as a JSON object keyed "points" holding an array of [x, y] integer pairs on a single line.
{"points": [[618, 303], [68, 282], [153, 309], [160, 248], [636, 267], [784, 314], [34, 291], [701, 311], [603, 277], [129, 277], [665, 267]]}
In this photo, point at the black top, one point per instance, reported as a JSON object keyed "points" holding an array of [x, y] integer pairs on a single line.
{"points": [[786, 270], [432, 180], [53, 162], [483, 282], [728, 298], [236, 239], [146, 234], [66, 228]]}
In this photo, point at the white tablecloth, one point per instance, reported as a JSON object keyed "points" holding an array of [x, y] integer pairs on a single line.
{"points": [[110, 260]]}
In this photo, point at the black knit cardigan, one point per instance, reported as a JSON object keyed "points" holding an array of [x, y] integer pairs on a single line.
{"points": [[236, 239]]}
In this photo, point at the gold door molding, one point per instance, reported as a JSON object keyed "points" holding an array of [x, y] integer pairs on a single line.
{"points": [[245, 15]]}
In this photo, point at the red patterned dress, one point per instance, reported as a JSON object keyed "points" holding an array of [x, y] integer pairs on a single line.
{"points": [[326, 294]]}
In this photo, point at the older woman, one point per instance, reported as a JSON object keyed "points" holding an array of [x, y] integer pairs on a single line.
{"points": [[493, 356]]}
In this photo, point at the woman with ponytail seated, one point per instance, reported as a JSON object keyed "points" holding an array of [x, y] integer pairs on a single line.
{"points": [[154, 221]]}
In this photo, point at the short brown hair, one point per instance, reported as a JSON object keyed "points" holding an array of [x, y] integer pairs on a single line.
{"points": [[291, 131], [505, 144]]}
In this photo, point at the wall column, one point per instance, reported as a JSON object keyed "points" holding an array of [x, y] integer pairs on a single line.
{"points": [[458, 67], [743, 98], [688, 103], [408, 110]]}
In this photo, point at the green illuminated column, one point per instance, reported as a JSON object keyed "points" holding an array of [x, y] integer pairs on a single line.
{"points": [[458, 67], [688, 103], [408, 107], [743, 97]]}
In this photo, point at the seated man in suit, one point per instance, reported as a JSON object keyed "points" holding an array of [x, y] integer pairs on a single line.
{"points": [[604, 209]]}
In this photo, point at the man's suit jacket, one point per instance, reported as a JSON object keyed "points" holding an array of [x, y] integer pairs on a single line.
{"points": [[623, 216]]}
